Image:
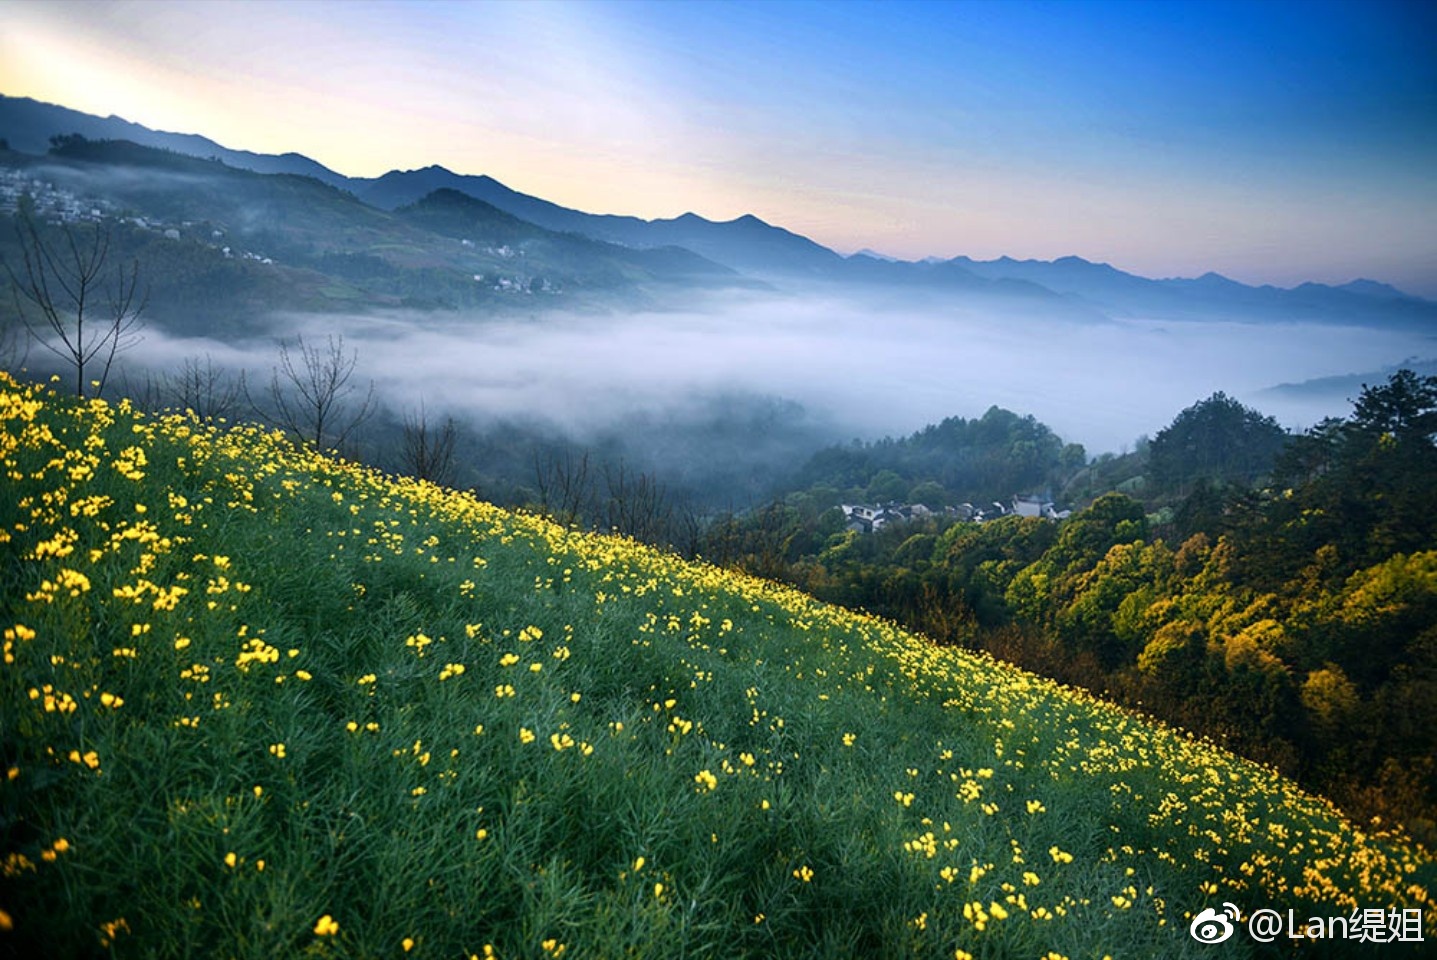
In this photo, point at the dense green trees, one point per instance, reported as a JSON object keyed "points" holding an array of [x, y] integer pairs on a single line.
{"points": [[1215, 440], [984, 459], [1293, 620], [1362, 487]]}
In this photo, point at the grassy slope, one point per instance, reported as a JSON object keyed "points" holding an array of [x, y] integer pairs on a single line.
{"points": [[639, 757]]}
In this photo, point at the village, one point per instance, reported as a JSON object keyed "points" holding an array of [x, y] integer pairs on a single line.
{"points": [[54, 204], [865, 518], [58, 206]]}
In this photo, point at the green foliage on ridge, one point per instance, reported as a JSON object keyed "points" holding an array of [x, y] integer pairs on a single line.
{"points": [[1294, 621]]}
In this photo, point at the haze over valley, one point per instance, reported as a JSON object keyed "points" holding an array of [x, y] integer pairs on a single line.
{"points": [[586, 322]]}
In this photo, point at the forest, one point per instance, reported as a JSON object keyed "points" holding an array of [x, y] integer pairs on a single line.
{"points": [[1275, 593]]}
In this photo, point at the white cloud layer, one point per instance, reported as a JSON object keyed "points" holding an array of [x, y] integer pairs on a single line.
{"points": [[873, 367]]}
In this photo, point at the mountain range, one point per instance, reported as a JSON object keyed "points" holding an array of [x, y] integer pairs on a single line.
{"points": [[349, 228]]}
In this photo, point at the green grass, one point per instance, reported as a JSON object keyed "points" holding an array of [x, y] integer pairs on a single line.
{"points": [[702, 764]]}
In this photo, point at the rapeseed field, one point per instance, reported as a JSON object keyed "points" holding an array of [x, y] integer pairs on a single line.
{"points": [[260, 702]]}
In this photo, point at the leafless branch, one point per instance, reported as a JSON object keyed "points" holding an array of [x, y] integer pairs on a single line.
{"points": [[88, 308], [310, 392], [428, 452], [205, 390], [564, 486]]}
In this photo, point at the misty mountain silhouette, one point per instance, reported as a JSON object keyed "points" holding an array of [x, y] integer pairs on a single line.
{"points": [[751, 246], [746, 244], [29, 124]]}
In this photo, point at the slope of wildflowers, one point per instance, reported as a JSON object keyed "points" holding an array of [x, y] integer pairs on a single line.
{"points": [[258, 702]]}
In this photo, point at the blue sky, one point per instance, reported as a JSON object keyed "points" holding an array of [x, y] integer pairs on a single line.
{"points": [[1273, 142]]}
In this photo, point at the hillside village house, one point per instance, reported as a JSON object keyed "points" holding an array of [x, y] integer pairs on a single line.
{"points": [[866, 518], [1025, 505]]}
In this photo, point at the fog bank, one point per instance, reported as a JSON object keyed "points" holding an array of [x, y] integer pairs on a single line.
{"points": [[873, 368]]}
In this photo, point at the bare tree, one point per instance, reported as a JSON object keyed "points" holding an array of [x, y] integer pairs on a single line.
{"points": [[14, 341], [566, 491], [638, 505], [147, 394], [206, 391], [310, 393], [428, 452], [766, 540], [686, 533], [88, 308]]}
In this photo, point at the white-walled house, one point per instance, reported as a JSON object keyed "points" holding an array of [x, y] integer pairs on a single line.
{"points": [[1025, 505]]}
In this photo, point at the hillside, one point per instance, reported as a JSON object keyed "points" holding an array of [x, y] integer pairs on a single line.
{"points": [[1274, 592], [745, 243], [258, 702], [223, 248], [462, 217], [29, 125]]}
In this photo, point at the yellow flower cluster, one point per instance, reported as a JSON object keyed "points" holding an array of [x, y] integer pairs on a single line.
{"points": [[255, 650]]}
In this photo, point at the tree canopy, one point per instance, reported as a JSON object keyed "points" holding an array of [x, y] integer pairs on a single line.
{"points": [[1215, 440]]}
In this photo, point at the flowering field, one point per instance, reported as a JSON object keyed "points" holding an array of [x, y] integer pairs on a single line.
{"points": [[256, 702]]}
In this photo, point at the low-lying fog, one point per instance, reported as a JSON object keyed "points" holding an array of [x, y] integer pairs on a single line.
{"points": [[863, 367]]}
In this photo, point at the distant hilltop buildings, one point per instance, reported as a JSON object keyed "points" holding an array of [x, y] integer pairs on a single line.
{"points": [[1031, 506], [865, 518], [60, 207], [51, 203]]}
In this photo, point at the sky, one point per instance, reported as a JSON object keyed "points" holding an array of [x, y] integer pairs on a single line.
{"points": [[1272, 142]]}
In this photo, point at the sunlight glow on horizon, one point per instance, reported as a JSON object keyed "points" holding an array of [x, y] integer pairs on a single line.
{"points": [[1026, 130]]}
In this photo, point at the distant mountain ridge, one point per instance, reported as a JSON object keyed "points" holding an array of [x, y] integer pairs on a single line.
{"points": [[227, 249], [460, 215], [746, 244], [1114, 290], [766, 251], [29, 124], [1348, 385]]}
